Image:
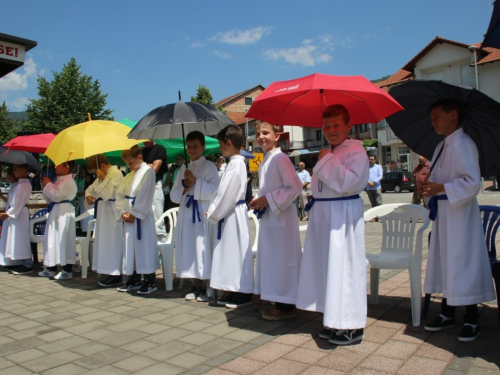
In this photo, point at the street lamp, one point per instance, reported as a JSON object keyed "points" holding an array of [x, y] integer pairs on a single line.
{"points": [[473, 49]]}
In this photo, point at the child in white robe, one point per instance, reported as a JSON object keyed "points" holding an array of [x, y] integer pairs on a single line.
{"points": [[15, 248], [457, 265], [108, 242], [333, 269], [134, 203], [279, 249], [229, 232], [194, 193], [59, 242]]}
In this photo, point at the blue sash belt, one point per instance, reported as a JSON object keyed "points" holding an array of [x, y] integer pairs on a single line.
{"points": [[433, 205], [260, 213], [219, 228], [52, 204], [138, 221], [311, 201], [196, 211], [96, 205]]}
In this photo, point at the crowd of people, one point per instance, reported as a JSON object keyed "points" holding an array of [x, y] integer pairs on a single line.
{"points": [[212, 237]]}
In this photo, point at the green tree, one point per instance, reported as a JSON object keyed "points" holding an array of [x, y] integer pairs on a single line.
{"points": [[370, 142], [204, 96], [8, 127], [66, 100]]}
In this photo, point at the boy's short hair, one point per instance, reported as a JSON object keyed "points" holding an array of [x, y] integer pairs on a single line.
{"points": [[196, 135], [94, 162], [335, 110], [134, 152], [448, 105], [232, 133], [70, 164], [275, 128]]}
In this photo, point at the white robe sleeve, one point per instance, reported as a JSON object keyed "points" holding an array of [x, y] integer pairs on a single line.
{"points": [[177, 188], [228, 195], [144, 195], [350, 177], [206, 187], [121, 203], [20, 198], [109, 186], [280, 199], [64, 189]]}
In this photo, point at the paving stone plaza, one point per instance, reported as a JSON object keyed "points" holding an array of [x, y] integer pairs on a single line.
{"points": [[74, 327]]}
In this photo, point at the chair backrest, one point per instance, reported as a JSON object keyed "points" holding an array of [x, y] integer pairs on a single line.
{"points": [[256, 223], [171, 216], [491, 222], [39, 227], [399, 223]]}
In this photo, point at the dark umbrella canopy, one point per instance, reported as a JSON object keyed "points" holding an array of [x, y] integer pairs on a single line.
{"points": [[492, 36], [10, 157], [168, 121], [481, 119]]}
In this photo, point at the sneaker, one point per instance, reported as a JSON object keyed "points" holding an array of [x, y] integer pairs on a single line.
{"points": [[325, 333], [469, 332], [63, 275], [203, 296], [11, 268], [346, 336], [110, 281], [275, 314], [226, 298], [440, 323], [130, 286], [147, 287], [240, 300], [193, 294], [22, 270], [46, 273]]}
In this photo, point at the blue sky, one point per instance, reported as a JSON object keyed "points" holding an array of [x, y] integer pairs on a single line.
{"points": [[143, 52]]}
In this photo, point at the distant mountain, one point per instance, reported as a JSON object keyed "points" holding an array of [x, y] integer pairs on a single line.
{"points": [[18, 115]]}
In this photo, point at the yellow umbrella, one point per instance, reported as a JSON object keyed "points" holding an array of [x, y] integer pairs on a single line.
{"points": [[89, 138]]}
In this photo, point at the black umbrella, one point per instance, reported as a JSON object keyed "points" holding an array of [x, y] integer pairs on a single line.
{"points": [[177, 119], [492, 36], [481, 119], [9, 157]]}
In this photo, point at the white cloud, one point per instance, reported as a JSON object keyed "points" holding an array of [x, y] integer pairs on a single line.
{"points": [[18, 104], [248, 36], [196, 45], [307, 54], [223, 55], [15, 81]]}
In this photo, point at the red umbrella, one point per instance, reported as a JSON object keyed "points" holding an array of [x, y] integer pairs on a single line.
{"points": [[32, 143], [302, 101]]}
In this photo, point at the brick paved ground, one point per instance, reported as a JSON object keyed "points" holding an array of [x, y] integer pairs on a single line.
{"points": [[73, 327]]}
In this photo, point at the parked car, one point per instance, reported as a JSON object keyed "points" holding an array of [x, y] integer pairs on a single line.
{"points": [[397, 182]]}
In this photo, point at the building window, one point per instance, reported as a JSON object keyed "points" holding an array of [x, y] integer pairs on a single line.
{"points": [[248, 101]]}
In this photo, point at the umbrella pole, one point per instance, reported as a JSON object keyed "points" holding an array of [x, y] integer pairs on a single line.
{"points": [[184, 144]]}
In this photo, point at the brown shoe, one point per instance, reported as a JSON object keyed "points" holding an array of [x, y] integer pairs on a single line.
{"points": [[275, 314]]}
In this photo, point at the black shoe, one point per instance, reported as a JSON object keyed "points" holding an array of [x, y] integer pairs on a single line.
{"points": [[110, 281], [469, 332], [325, 333], [147, 287], [226, 298], [346, 336], [11, 268], [21, 270], [440, 323], [130, 286], [240, 300]]}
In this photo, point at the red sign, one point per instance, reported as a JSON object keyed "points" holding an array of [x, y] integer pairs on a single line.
{"points": [[12, 52]]}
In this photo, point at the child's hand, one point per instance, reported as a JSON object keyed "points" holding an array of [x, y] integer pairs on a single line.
{"points": [[189, 176], [259, 203], [4, 216], [46, 181], [131, 218], [90, 200], [100, 175], [322, 153], [125, 217], [429, 189]]}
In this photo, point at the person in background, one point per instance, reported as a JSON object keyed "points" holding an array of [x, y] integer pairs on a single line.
{"points": [[305, 179], [388, 168], [170, 180], [223, 163], [419, 173], [374, 189], [249, 193]]}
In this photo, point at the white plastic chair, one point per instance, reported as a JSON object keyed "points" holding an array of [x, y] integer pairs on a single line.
{"points": [[84, 242], [167, 248], [399, 249]]}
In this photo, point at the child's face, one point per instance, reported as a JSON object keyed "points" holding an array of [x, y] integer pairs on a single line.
{"points": [[62, 169], [133, 163], [225, 148], [19, 172], [444, 123], [266, 137], [194, 149], [335, 130]]}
